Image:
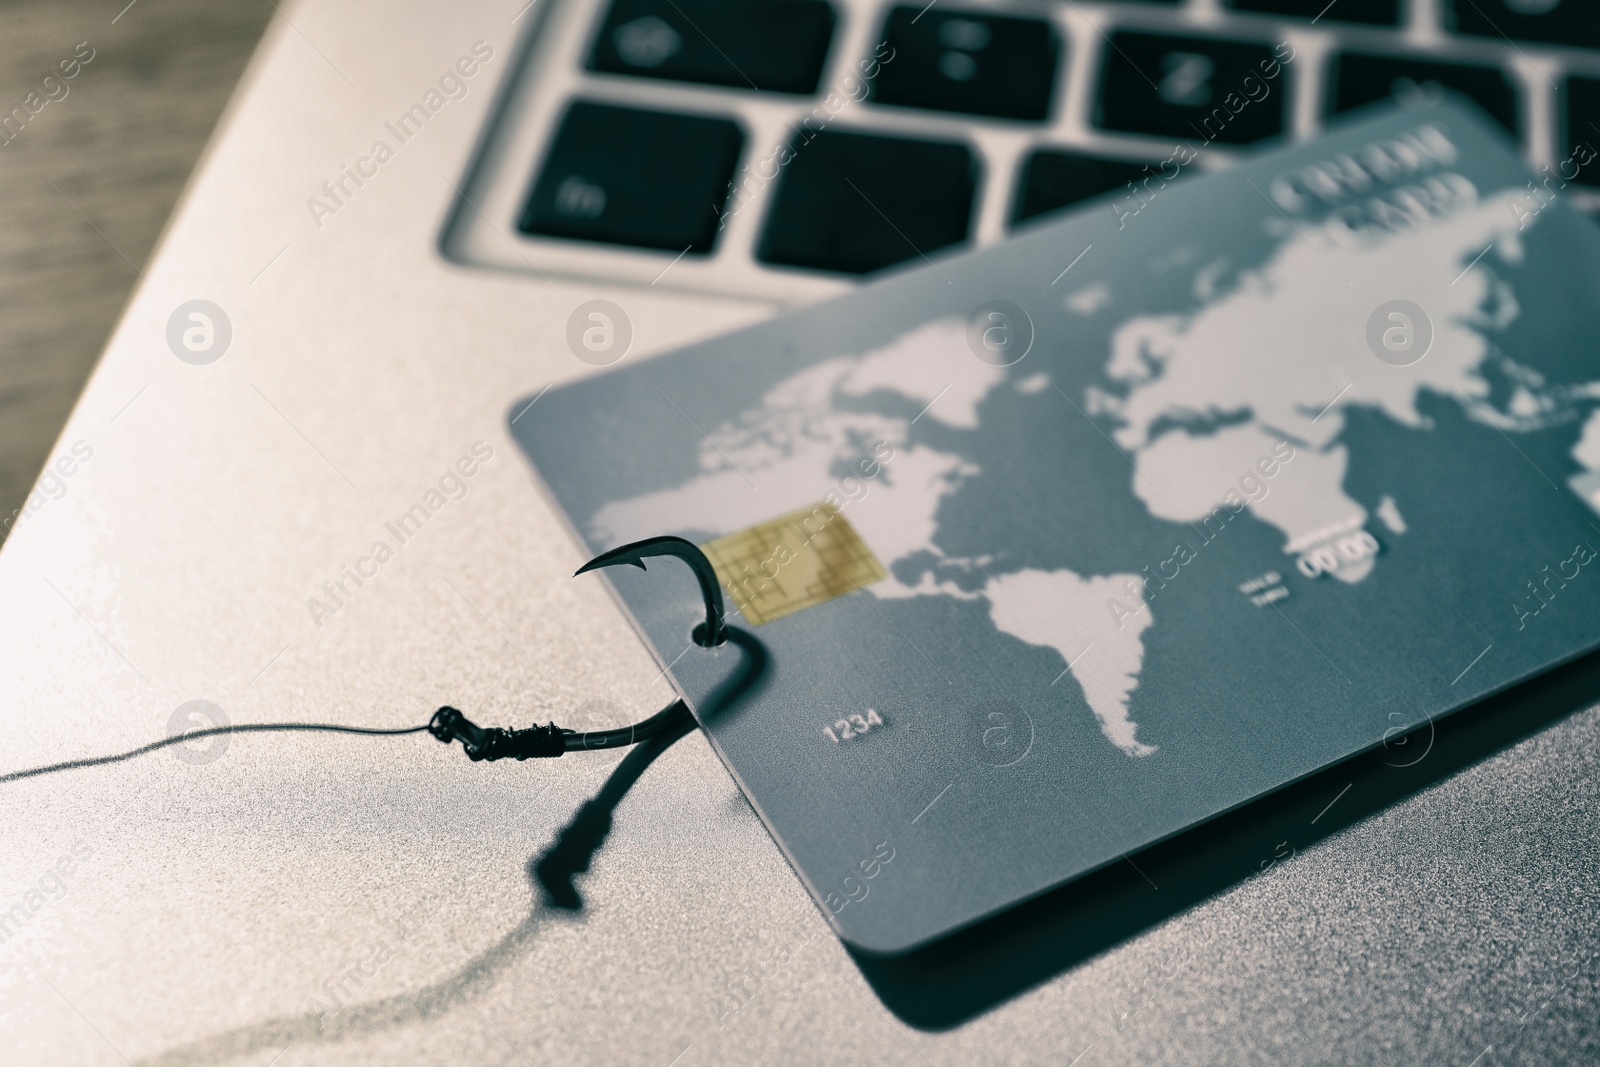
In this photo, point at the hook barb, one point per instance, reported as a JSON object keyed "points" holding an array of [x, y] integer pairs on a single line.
{"points": [[714, 632]]}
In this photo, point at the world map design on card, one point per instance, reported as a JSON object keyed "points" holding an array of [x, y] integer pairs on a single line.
{"points": [[1143, 515]]}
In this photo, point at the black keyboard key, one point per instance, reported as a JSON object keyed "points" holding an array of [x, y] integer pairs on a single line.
{"points": [[775, 45], [1053, 179], [1570, 22], [1192, 87], [625, 176], [855, 203], [1583, 132], [967, 61], [1364, 79], [1372, 12]]}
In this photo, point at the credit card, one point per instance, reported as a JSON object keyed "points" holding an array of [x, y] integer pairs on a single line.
{"points": [[1055, 549]]}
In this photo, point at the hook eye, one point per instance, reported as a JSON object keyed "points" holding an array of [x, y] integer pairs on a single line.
{"points": [[700, 637]]}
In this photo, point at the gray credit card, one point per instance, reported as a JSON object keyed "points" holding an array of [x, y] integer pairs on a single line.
{"points": [[1052, 550]]}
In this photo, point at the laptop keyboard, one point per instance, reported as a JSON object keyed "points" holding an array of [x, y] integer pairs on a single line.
{"points": [[831, 138]]}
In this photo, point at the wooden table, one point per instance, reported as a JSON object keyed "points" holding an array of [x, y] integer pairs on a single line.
{"points": [[88, 182]]}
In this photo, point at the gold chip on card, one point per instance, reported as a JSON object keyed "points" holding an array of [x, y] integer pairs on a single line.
{"points": [[806, 557]]}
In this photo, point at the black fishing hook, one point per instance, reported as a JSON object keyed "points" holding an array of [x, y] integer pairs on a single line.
{"points": [[535, 742]]}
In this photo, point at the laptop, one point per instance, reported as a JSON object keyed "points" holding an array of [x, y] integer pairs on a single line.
{"points": [[408, 221]]}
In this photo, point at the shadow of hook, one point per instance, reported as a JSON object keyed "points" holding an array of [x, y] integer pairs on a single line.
{"points": [[577, 843], [553, 871]]}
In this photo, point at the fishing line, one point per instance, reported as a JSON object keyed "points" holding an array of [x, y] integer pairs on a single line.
{"points": [[488, 743]]}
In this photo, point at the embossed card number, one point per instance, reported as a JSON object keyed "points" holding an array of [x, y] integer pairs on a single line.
{"points": [[852, 726]]}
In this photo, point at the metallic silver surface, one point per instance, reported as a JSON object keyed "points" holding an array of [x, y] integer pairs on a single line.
{"points": [[352, 900]]}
